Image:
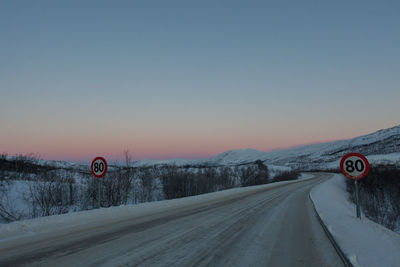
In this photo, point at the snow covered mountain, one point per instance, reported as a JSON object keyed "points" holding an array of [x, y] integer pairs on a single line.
{"points": [[381, 147]]}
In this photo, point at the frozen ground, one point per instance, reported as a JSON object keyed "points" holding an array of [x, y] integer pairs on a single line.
{"points": [[364, 242], [267, 225], [100, 216]]}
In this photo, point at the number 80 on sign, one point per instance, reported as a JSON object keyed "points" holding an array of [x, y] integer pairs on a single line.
{"points": [[354, 166], [99, 167]]}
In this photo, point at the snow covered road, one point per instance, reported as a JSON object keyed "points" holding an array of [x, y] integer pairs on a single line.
{"points": [[268, 225]]}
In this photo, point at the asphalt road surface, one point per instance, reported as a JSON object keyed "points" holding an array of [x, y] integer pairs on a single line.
{"points": [[270, 227]]}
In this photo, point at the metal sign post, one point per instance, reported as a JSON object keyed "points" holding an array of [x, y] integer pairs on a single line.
{"points": [[98, 193], [357, 200], [355, 166]]}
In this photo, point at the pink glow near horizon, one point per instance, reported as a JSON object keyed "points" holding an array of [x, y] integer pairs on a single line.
{"points": [[178, 147], [84, 143]]}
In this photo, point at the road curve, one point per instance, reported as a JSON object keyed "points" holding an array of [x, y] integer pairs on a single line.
{"points": [[274, 226]]}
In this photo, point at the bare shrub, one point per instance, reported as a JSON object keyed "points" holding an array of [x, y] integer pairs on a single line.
{"points": [[286, 176], [49, 195], [379, 196]]}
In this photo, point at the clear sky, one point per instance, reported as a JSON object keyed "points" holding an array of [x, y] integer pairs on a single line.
{"points": [[192, 79]]}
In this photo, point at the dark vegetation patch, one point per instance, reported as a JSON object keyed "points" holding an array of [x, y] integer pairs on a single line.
{"points": [[379, 194], [286, 176], [50, 190]]}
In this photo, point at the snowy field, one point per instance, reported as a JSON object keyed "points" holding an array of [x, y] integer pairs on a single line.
{"points": [[379, 147], [364, 242], [94, 218]]}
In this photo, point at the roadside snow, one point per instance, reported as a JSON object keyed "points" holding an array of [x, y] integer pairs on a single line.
{"points": [[92, 218], [364, 242], [392, 158], [305, 175]]}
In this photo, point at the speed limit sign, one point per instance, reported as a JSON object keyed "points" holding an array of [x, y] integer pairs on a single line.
{"points": [[354, 166], [99, 167]]}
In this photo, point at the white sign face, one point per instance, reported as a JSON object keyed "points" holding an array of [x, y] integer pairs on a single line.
{"points": [[354, 166], [99, 167]]}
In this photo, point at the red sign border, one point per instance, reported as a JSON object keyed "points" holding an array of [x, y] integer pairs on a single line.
{"points": [[356, 155], [105, 167]]}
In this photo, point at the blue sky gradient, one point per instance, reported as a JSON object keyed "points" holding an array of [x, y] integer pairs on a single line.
{"points": [[193, 78]]}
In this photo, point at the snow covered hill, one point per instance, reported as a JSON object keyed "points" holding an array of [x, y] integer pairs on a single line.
{"points": [[381, 147]]}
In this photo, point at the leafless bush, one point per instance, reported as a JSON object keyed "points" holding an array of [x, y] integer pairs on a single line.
{"points": [[4, 177], [54, 191], [8, 212], [286, 176], [49, 195], [181, 182], [379, 196], [254, 174]]}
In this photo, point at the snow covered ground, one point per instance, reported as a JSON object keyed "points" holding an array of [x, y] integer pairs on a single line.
{"points": [[381, 146], [381, 159], [265, 225], [93, 218], [305, 175], [364, 242]]}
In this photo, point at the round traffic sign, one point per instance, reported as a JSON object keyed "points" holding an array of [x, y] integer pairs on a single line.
{"points": [[354, 166], [98, 167]]}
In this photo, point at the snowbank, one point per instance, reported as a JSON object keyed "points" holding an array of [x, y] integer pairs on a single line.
{"points": [[305, 175], [93, 218], [364, 242]]}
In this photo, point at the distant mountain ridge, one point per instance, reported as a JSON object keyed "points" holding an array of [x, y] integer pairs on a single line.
{"points": [[381, 147]]}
